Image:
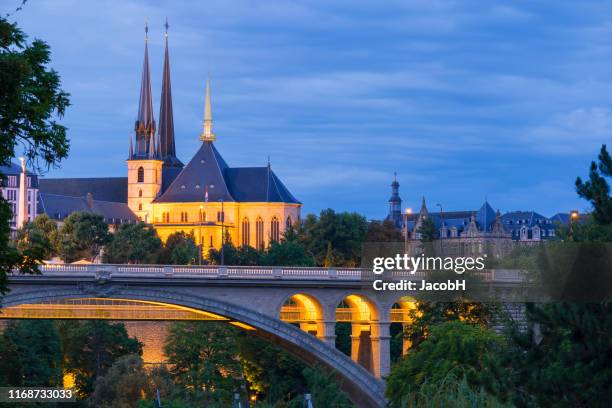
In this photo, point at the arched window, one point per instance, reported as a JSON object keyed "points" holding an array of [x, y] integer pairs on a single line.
{"points": [[246, 231], [274, 230], [139, 206], [140, 175], [139, 193], [259, 235], [202, 216], [288, 223]]}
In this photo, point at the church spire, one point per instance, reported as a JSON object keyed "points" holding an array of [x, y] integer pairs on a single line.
{"points": [[145, 121], [207, 134], [165, 142]]}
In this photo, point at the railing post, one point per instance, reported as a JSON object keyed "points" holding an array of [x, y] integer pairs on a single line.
{"points": [[278, 273], [222, 271], [332, 273], [168, 270]]}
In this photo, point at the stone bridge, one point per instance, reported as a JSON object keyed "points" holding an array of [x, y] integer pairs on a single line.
{"points": [[295, 308]]}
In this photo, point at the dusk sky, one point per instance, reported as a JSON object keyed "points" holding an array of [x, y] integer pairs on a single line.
{"points": [[464, 100]]}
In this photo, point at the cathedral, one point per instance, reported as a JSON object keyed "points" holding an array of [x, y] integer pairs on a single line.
{"points": [[206, 197]]}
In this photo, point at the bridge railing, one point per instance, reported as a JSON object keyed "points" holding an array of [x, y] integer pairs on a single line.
{"points": [[253, 272]]}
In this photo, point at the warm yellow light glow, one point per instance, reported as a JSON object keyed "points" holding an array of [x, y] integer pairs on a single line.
{"points": [[242, 325], [68, 380], [408, 211], [574, 214]]}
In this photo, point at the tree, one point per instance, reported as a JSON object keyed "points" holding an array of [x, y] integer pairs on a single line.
{"points": [[122, 386], [384, 231], [324, 388], [133, 243], [287, 253], [30, 354], [90, 349], [271, 372], [38, 236], [180, 249], [31, 100], [597, 190], [457, 348], [427, 230], [203, 357], [82, 235]]}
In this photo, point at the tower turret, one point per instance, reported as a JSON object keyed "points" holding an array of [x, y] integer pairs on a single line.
{"points": [[395, 203], [144, 125]]}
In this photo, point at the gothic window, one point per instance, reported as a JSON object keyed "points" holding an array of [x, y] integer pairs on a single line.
{"points": [[202, 216], [259, 234], [139, 193], [274, 230], [288, 223], [139, 206], [140, 175], [220, 216], [211, 241], [246, 231]]}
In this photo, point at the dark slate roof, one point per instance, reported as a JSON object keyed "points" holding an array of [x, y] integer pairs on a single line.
{"points": [[102, 188], [59, 207], [562, 218], [14, 169], [485, 217], [11, 169], [257, 184], [207, 168], [204, 172]]}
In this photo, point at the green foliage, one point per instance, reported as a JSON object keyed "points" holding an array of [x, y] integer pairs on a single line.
{"points": [[596, 189], [455, 347], [427, 230], [30, 102], [587, 229], [240, 256], [341, 233], [325, 388], [30, 354], [82, 235], [122, 385], [384, 231], [343, 337], [452, 392], [133, 243], [287, 253], [563, 360], [91, 347], [203, 357], [272, 373], [180, 249], [38, 236]]}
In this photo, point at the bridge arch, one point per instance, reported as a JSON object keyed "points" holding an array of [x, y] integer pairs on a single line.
{"points": [[364, 390]]}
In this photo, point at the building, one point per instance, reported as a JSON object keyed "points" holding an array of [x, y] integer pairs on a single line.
{"points": [[474, 231], [19, 187], [206, 197]]}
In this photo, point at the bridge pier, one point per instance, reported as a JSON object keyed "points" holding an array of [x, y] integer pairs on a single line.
{"points": [[381, 348], [326, 332]]}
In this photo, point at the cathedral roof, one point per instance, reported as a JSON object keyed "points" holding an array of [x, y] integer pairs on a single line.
{"points": [[112, 189], [58, 207], [485, 217], [207, 174]]}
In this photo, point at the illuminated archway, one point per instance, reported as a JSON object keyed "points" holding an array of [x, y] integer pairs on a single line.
{"points": [[303, 311], [364, 390], [400, 316]]}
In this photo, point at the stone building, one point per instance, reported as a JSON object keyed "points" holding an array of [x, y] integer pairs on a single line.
{"points": [[19, 187]]}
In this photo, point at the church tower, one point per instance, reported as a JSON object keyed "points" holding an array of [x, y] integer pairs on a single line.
{"points": [[395, 204], [144, 164]]}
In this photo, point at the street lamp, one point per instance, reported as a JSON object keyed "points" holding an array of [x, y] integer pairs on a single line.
{"points": [[574, 215], [407, 214]]}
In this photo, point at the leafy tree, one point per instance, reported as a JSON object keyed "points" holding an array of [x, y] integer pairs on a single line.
{"points": [[241, 256], [82, 235], [90, 349], [122, 386], [343, 232], [455, 348], [133, 243], [324, 388], [203, 357], [180, 249], [287, 253], [384, 231], [271, 372], [30, 102], [427, 230], [596, 189], [39, 236], [30, 354]]}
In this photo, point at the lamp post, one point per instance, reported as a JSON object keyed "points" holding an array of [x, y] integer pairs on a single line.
{"points": [[574, 215], [407, 214], [441, 225], [201, 239]]}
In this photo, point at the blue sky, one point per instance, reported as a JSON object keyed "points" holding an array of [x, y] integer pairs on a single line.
{"points": [[464, 100]]}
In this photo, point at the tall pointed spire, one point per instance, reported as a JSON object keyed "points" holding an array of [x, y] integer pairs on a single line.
{"points": [[131, 151], [165, 142], [207, 134], [145, 121]]}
